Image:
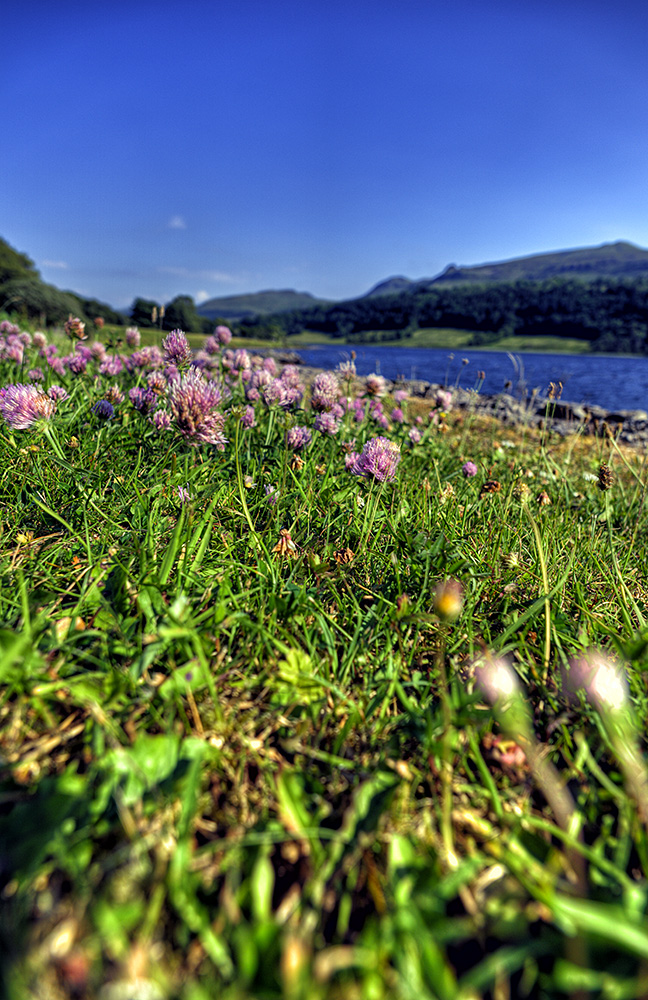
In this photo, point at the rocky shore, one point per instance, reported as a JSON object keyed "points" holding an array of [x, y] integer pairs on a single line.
{"points": [[558, 415]]}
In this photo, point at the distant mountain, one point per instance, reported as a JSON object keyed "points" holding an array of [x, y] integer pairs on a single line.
{"points": [[392, 286], [610, 260], [242, 307]]}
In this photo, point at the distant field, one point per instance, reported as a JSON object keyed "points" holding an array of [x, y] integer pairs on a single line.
{"points": [[442, 338], [456, 339]]}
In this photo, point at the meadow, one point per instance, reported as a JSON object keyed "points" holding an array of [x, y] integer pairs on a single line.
{"points": [[311, 691]]}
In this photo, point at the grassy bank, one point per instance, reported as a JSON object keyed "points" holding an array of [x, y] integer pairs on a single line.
{"points": [[277, 723]]}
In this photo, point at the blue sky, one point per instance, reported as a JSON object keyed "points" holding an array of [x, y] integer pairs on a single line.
{"points": [[159, 148]]}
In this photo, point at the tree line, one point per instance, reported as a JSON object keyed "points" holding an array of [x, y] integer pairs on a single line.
{"points": [[612, 314]]}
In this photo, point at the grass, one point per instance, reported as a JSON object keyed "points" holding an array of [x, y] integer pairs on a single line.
{"points": [[248, 750]]}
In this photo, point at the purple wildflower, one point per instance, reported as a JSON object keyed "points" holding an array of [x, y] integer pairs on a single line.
{"points": [[350, 460], [444, 399], [144, 400], [346, 371], [76, 363], [176, 349], [156, 382], [378, 460], [270, 365], [272, 495], [211, 345], [112, 364], [400, 395], [415, 435], [223, 335], [324, 391], [326, 423], [24, 405], [298, 438], [98, 350], [280, 393], [114, 395], [133, 337], [39, 340], [57, 392], [183, 494], [241, 360], [193, 403], [469, 469], [375, 385], [397, 415], [248, 417], [161, 420], [36, 374], [290, 375], [103, 409]]}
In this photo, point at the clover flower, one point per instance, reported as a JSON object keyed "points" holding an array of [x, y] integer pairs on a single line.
{"points": [[223, 335], [415, 435], [176, 349], [248, 417], [193, 403], [22, 406], [326, 423], [133, 337], [298, 438], [378, 460], [397, 415], [281, 393], [57, 392], [160, 420], [324, 391], [103, 409], [144, 400], [444, 399], [469, 469], [375, 385]]}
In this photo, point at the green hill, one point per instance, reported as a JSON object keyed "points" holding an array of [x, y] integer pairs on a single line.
{"points": [[610, 260], [242, 307]]}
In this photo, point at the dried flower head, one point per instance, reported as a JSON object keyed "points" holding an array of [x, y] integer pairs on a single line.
{"points": [[74, 328], [605, 477], [285, 546], [490, 487], [543, 499]]}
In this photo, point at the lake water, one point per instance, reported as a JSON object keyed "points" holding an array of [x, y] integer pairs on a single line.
{"points": [[614, 381]]}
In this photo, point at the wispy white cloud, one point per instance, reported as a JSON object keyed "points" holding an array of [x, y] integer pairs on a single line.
{"points": [[201, 296], [221, 277], [177, 222], [59, 265]]}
